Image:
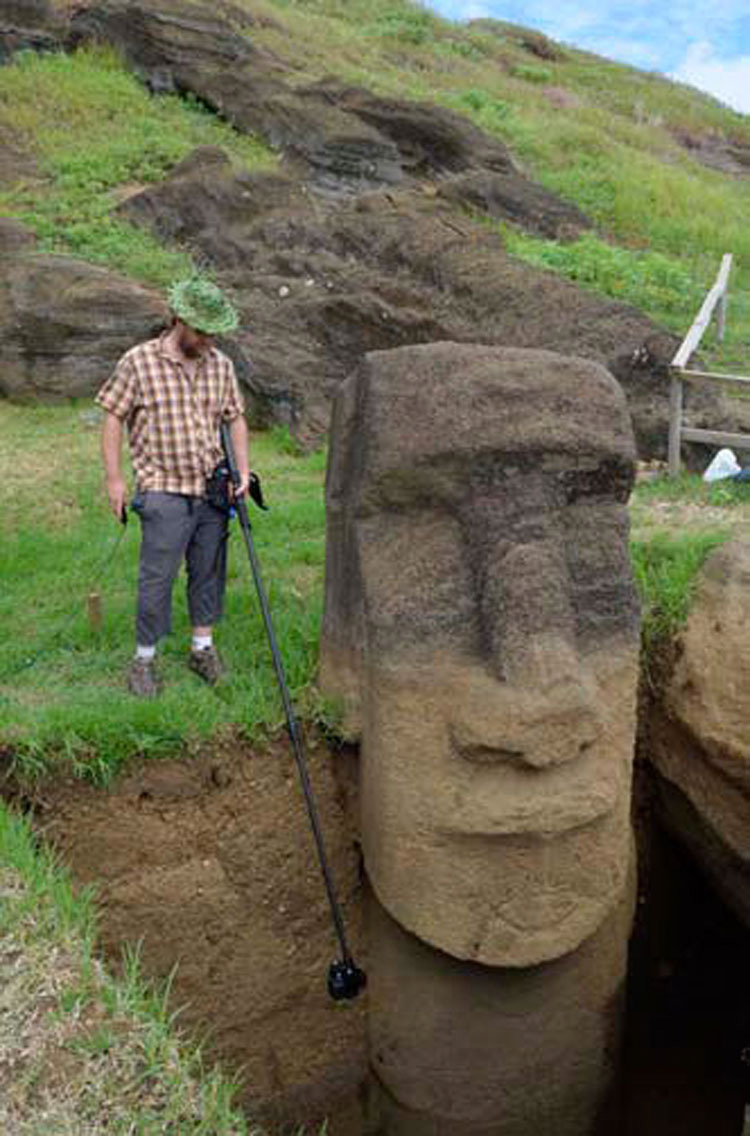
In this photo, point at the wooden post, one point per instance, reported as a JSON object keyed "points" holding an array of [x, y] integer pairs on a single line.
{"points": [[716, 297], [721, 318], [94, 605], [675, 424]]}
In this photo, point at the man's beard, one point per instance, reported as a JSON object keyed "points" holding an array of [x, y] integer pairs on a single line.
{"points": [[189, 349]]}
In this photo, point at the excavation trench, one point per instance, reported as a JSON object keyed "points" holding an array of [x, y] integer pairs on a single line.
{"points": [[210, 865]]}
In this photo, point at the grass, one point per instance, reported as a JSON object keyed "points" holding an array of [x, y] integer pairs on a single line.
{"points": [[61, 683], [81, 1051], [612, 146], [676, 523], [62, 697], [96, 132], [666, 569], [660, 284], [608, 141]]}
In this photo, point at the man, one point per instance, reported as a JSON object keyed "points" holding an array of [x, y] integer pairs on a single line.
{"points": [[172, 393]]}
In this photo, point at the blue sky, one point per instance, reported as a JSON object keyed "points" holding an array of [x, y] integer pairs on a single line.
{"points": [[684, 39]]}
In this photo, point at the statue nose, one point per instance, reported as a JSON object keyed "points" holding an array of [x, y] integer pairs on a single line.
{"points": [[548, 719], [543, 711]]}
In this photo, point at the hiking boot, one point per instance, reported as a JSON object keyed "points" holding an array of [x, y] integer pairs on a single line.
{"points": [[207, 664], [143, 680]]}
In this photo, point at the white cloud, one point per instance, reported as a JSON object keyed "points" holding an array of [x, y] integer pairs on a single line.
{"points": [[727, 79]]}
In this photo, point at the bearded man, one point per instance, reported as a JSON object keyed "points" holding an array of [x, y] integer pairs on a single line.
{"points": [[172, 393]]}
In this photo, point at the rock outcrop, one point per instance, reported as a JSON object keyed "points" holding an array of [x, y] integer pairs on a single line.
{"points": [[364, 241], [64, 323], [29, 25], [321, 284], [481, 631], [699, 741]]}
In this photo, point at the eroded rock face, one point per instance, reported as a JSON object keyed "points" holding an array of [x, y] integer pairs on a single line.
{"points": [[480, 623], [700, 742], [320, 285], [64, 323], [28, 25]]}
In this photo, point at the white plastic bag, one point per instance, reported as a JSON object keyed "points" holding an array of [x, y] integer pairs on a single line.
{"points": [[725, 464]]}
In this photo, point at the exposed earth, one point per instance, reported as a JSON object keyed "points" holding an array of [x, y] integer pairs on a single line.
{"points": [[209, 863]]}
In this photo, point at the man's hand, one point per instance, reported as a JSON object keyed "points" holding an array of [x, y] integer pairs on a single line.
{"points": [[241, 489], [117, 495]]}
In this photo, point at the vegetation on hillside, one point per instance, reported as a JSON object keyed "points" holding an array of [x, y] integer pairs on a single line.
{"points": [[96, 135], [622, 144]]}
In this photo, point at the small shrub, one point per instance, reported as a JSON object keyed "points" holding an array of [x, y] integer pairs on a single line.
{"points": [[658, 284], [412, 26], [530, 73]]}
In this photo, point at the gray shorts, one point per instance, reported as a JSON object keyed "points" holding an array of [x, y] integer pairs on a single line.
{"points": [[174, 526]]}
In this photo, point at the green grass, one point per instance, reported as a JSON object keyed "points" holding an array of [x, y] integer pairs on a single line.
{"points": [[62, 695], [95, 131], [660, 284], [82, 1050], [691, 488], [666, 569]]}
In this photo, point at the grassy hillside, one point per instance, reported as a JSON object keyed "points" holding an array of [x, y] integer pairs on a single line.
{"points": [[620, 143], [608, 137]]}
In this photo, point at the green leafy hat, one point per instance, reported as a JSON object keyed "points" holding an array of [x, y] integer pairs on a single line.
{"points": [[203, 306]]}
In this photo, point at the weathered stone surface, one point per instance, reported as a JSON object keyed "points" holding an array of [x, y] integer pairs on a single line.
{"points": [[345, 140], [64, 323], [460, 1049], [167, 43], [320, 285], [699, 740], [28, 25], [509, 197], [480, 620]]}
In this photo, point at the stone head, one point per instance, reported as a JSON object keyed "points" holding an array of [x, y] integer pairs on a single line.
{"points": [[481, 627]]}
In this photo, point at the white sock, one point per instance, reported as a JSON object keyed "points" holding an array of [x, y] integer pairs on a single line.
{"points": [[146, 653], [202, 642]]}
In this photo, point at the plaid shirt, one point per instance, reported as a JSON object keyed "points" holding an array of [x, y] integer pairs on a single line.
{"points": [[173, 420]]}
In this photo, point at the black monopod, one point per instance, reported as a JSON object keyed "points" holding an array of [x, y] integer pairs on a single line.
{"points": [[345, 979]]}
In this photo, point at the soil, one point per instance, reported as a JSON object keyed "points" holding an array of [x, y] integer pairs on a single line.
{"points": [[210, 864]]}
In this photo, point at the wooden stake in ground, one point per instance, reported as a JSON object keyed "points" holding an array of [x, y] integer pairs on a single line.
{"points": [[94, 605]]}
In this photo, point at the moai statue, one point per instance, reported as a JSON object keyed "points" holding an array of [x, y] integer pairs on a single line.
{"points": [[481, 630]]}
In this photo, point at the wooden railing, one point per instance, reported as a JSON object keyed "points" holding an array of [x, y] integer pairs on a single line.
{"points": [[715, 301]]}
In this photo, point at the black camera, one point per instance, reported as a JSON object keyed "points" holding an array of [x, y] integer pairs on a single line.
{"points": [[345, 980]]}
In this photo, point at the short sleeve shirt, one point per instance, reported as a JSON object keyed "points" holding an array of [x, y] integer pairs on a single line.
{"points": [[172, 417]]}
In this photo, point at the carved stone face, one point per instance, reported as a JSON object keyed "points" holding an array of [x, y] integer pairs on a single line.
{"points": [[478, 495]]}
